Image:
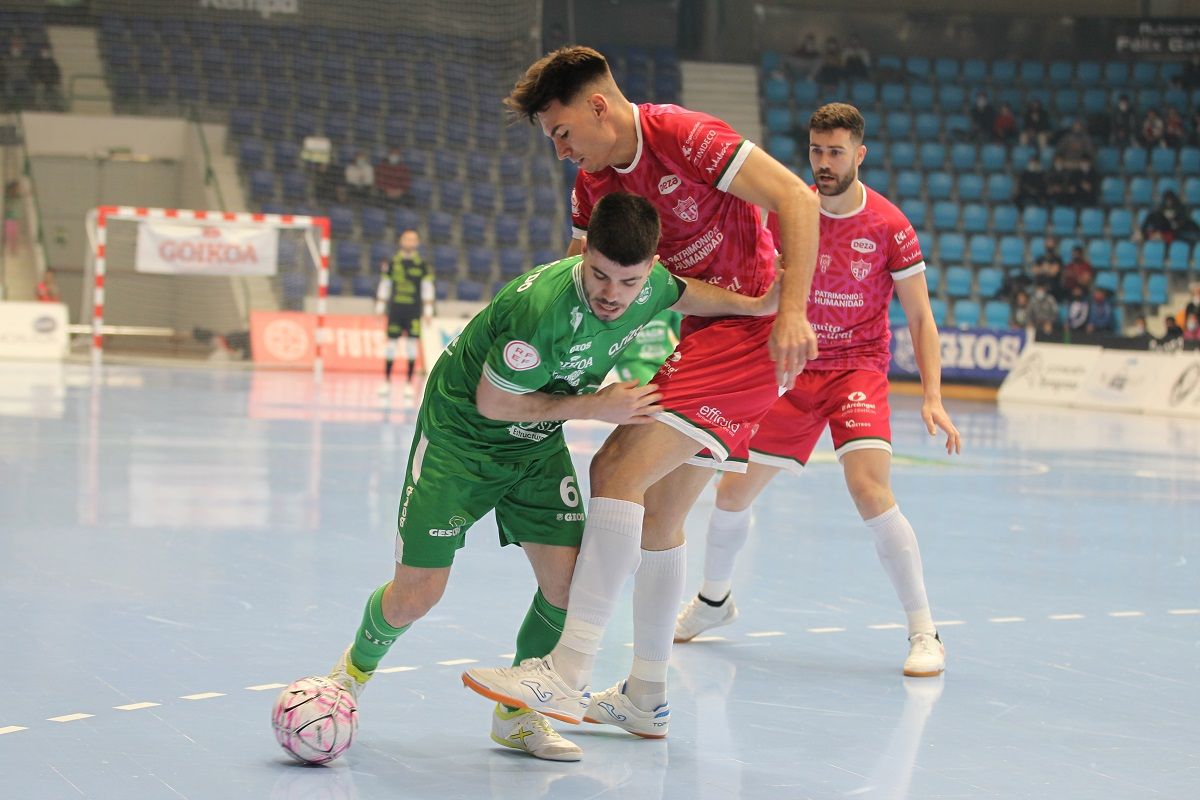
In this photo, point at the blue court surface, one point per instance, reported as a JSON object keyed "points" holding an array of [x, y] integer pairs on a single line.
{"points": [[177, 543]]}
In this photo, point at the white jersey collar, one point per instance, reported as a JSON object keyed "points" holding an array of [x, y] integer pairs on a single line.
{"points": [[858, 210], [637, 124]]}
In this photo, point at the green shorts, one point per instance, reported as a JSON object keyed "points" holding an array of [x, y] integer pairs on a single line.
{"points": [[446, 491]]}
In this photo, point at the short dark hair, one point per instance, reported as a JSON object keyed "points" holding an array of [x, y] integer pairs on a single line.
{"points": [[625, 228], [834, 116], [558, 75]]}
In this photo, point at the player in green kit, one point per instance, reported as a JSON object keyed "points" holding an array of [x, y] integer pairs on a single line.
{"points": [[489, 435], [654, 342]]}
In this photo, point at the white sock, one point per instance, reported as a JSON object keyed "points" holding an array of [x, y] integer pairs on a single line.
{"points": [[657, 590], [646, 687], [727, 535], [609, 554], [900, 556]]}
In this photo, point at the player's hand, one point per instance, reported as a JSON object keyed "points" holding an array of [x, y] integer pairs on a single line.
{"points": [[627, 403], [935, 417], [767, 303], [792, 344]]}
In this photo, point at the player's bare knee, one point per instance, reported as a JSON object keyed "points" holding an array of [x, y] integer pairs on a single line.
{"points": [[871, 497], [733, 496]]}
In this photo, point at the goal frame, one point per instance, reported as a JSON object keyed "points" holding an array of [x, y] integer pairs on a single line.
{"points": [[97, 226]]}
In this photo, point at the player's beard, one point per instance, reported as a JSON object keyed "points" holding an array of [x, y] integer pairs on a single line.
{"points": [[839, 187]]}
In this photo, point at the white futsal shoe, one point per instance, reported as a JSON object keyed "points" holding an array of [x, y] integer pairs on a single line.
{"points": [[530, 732], [926, 656], [613, 707], [348, 676], [698, 617], [531, 684]]}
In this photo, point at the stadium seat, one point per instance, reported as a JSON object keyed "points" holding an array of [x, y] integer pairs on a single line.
{"points": [[993, 158], [1095, 101], [1062, 221], [962, 157], [782, 147], [921, 97], [1191, 191], [1107, 280], [483, 196], [945, 215], [1004, 72], [470, 291], [1132, 289], [479, 262], [1154, 255], [1141, 191], [933, 279], [974, 70], [420, 192], [970, 187], [1108, 160], [966, 313], [1034, 220], [1067, 102], [982, 250], [917, 212], [931, 155], [341, 221], [363, 285], [1134, 160], [908, 184], [541, 231], [974, 216], [892, 95], [1032, 73], [958, 281], [512, 262], [902, 155], [939, 185], [348, 255], [507, 230], [441, 226], [1004, 218], [996, 314], [445, 259], [1120, 223], [989, 280], [1060, 72], [1099, 253], [250, 154], [473, 228], [262, 185], [1156, 289], [295, 186], [1162, 160], [863, 93], [1116, 73], [1189, 161], [1112, 191], [776, 91], [805, 93], [876, 178], [938, 306], [951, 248], [380, 253], [405, 219], [1178, 255], [946, 69], [928, 126], [1012, 251], [1125, 255], [951, 98], [546, 200], [1091, 222], [899, 124], [286, 155], [779, 120]]}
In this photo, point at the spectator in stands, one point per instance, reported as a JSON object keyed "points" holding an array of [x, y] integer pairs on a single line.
{"points": [[1075, 145], [1078, 273], [1190, 77], [1191, 328], [392, 178], [804, 59], [1031, 185], [1101, 316], [1170, 220], [1153, 129], [47, 288], [17, 88], [1019, 310], [1174, 132], [1123, 127], [47, 79], [1043, 310], [1138, 331], [983, 118], [1085, 184], [1004, 126], [328, 186], [1060, 184], [1193, 306], [1077, 309], [360, 178], [1173, 331], [1035, 125], [1047, 268], [856, 60], [829, 72]]}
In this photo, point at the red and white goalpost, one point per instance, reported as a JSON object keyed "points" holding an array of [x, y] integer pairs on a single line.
{"points": [[182, 274]]}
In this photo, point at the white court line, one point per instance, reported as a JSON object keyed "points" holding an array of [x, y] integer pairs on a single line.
{"points": [[136, 706], [12, 729], [946, 623], [69, 717], [262, 687], [507, 655], [1065, 616], [454, 662], [202, 696], [1184, 611], [761, 634], [1006, 619], [707, 639], [826, 630], [1127, 613], [887, 626], [395, 669]]}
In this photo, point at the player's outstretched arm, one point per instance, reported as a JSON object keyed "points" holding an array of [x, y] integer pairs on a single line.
{"points": [[700, 299], [624, 403], [914, 299]]}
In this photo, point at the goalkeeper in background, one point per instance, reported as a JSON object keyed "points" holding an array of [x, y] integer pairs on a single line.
{"points": [[406, 294]]}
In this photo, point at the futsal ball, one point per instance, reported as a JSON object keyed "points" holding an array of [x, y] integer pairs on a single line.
{"points": [[315, 720]]}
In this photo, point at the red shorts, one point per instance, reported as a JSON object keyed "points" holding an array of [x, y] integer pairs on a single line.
{"points": [[719, 382], [853, 403]]}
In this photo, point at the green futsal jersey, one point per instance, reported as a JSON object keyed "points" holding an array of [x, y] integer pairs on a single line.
{"points": [[538, 335]]}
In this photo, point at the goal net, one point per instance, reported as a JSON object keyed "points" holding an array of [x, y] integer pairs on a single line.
{"points": [[181, 282]]}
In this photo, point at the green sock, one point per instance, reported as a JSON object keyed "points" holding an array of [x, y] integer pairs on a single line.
{"points": [[540, 630], [375, 636]]}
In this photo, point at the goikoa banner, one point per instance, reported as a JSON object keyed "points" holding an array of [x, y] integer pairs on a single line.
{"points": [[171, 249]]}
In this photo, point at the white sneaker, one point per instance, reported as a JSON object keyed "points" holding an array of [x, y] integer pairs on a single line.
{"points": [[531, 684], [926, 656], [530, 731], [385, 389], [698, 617], [613, 707], [408, 391], [348, 676]]}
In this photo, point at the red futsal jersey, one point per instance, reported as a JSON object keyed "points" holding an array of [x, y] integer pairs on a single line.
{"points": [[861, 256]]}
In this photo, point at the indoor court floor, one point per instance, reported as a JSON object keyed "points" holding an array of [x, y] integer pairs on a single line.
{"points": [[178, 543]]}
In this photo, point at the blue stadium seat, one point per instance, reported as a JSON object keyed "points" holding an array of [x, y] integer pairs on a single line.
{"points": [[473, 228], [908, 184], [1125, 255], [1134, 160], [1177, 256], [452, 196], [1189, 161], [1116, 73], [996, 314], [962, 157], [514, 199], [863, 93], [445, 259], [779, 120], [1107, 280], [1156, 289], [899, 124], [1108, 160], [945, 215], [1004, 72], [420, 192], [982, 249], [441, 227], [262, 184], [1034, 220], [1012, 251], [1062, 221], [970, 187], [479, 262], [966, 313], [1132, 289], [546, 200], [406, 219], [541, 232], [917, 212], [1141, 191], [1099, 253], [483, 196], [507, 230], [348, 255], [931, 155], [381, 252], [1112, 190], [374, 221], [1067, 102], [974, 70], [892, 95], [946, 69], [876, 178], [250, 154], [1091, 222], [1032, 73], [1120, 223], [1095, 101], [1145, 73], [993, 157], [1191, 191], [1162, 160], [927, 126], [939, 185], [512, 262], [363, 285], [902, 155], [1060, 72], [938, 306], [285, 156], [805, 93], [921, 97], [933, 279], [951, 249], [783, 148], [919, 66], [951, 98], [1088, 73], [295, 186], [999, 188], [974, 215], [776, 91], [341, 221], [470, 291], [1004, 219], [1154, 254]]}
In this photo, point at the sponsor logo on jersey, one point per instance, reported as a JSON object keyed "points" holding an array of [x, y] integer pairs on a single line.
{"points": [[853, 423], [668, 184], [521, 355], [863, 245], [576, 318], [825, 260], [900, 237], [533, 431], [579, 348], [717, 417], [629, 337], [695, 252], [570, 516], [700, 151], [687, 209], [860, 268], [574, 204], [687, 148], [644, 294], [454, 527]]}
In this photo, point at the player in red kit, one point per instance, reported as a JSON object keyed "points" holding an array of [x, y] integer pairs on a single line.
{"points": [[867, 249], [707, 184]]}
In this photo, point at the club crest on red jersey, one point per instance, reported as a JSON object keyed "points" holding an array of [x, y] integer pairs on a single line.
{"points": [[860, 268], [825, 260], [687, 210]]}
